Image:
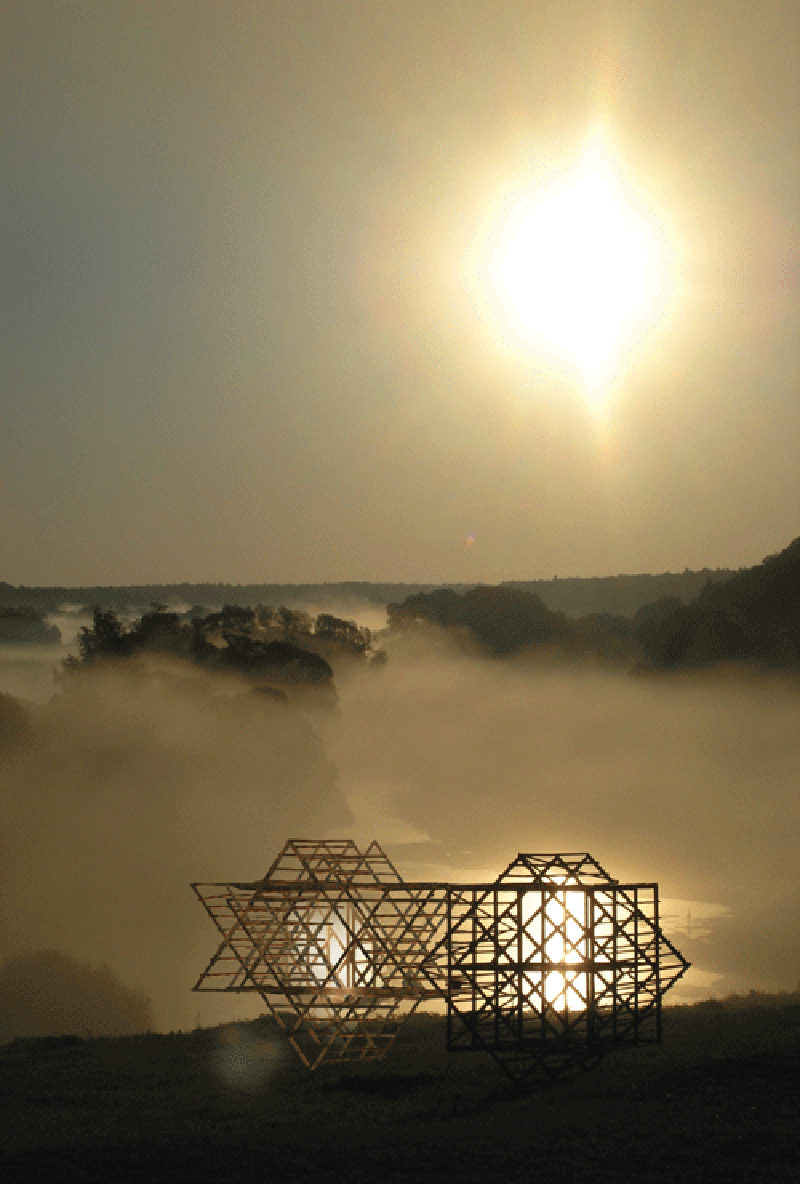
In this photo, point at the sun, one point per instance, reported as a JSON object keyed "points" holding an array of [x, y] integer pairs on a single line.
{"points": [[579, 269]]}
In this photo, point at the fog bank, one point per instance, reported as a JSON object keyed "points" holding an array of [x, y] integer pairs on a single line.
{"points": [[136, 784], [130, 785], [691, 783]]}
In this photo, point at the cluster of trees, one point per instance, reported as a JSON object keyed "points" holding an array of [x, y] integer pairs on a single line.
{"points": [[25, 623], [503, 620], [751, 617], [262, 642], [325, 633]]}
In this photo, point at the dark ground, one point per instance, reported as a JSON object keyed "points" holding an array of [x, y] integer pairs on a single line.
{"points": [[718, 1100]]}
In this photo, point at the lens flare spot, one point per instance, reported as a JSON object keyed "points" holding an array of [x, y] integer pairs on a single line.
{"points": [[244, 1061]]}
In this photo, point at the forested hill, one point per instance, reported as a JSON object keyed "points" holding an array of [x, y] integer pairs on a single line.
{"points": [[753, 618], [621, 595], [141, 595]]}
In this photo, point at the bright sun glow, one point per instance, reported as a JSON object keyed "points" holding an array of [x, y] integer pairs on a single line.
{"points": [[333, 958], [579, 271], [564, 944]]}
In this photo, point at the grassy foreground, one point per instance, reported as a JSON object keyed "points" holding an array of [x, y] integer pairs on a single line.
{"points": [[719, 1100]]}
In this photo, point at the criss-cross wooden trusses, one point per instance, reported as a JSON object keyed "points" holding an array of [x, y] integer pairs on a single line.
{"points": [[333, 941], [554, 965], [547, 969]]}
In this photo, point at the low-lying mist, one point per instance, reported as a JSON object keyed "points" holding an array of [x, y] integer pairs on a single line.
{"points": [[692, 783], [131, 783]]}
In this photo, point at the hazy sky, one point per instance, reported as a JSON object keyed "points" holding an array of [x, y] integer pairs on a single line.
{"points": [[249, 328]]}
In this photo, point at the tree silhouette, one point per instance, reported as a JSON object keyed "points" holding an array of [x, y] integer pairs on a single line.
{"points": [[502, 619]]}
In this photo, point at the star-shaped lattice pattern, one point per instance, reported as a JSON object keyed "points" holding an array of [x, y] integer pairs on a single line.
{"points": [[333, 941]]}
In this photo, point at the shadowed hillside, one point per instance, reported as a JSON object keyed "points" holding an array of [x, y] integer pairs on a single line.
{"points": [[754, 618], [716, 1102]]}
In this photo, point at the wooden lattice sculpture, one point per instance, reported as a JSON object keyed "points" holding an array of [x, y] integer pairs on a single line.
{"points": [[554, 965], [333, 941], [547, 969]]}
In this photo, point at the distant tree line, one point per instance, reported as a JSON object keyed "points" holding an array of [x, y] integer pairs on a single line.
{"points": [[621, 595], [141, 595], [752, 617], [656, 621], [575, 596]]}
